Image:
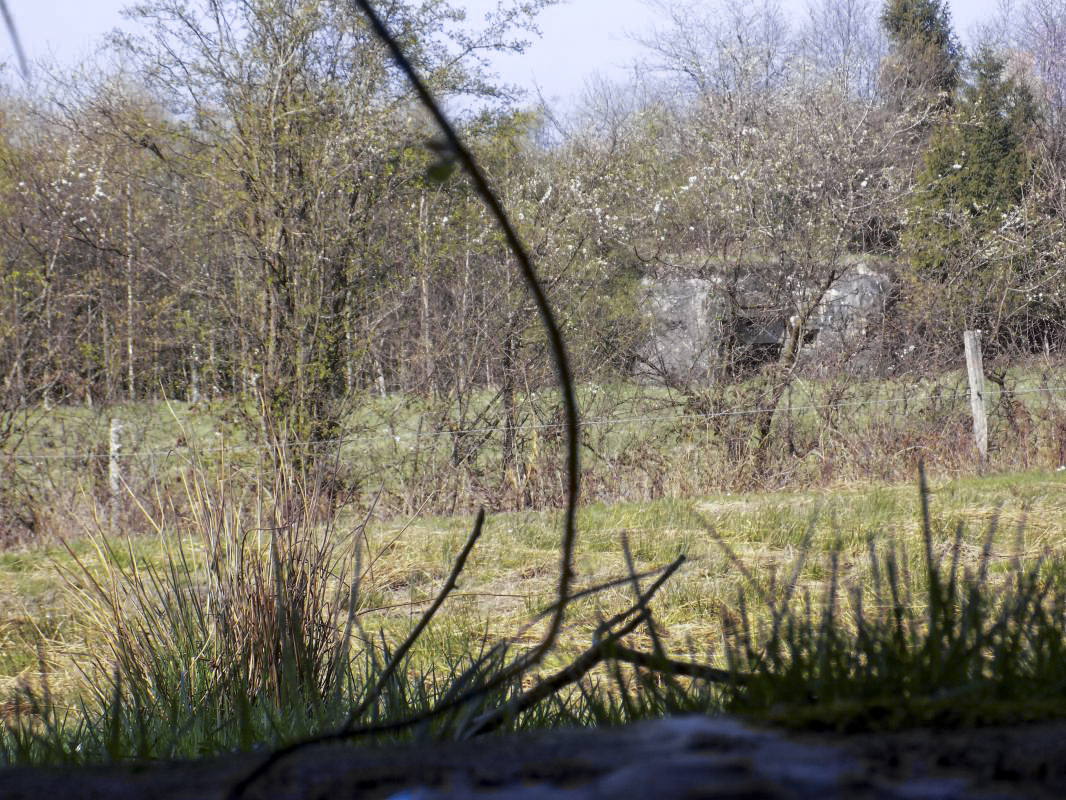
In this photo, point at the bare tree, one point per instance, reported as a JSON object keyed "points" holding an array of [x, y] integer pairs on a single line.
{"points": [[1041, 32], [769, 183], [734, 50], [301, 143], [843, 42]]}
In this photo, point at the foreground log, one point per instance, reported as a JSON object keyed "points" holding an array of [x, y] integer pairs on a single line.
{"points": [[683, 757]]}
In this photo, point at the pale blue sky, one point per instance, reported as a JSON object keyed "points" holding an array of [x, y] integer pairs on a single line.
{"points": [[580, 37]]}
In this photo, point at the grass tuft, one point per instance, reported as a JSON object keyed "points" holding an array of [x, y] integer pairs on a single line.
{"points": [[956, 650], [245, 629]]}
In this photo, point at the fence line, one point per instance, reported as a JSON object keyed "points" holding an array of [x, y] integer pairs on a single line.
{"points": [[385, 434]]}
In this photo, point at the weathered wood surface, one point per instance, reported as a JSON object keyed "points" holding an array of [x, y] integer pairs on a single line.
{"points": [[978, 405], [685, 757]]}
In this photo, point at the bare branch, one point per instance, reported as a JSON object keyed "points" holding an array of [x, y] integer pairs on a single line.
{"points": [[24, 66]]}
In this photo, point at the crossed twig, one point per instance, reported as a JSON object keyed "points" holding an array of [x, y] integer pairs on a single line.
{"points": [[607, 641], [13, 32]]}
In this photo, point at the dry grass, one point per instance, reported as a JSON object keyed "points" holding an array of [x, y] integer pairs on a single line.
{"points": [[641, 444], [513, 572]]}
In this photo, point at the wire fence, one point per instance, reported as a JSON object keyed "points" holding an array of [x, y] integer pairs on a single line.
{"points": [[412, 457], [395, 435]]}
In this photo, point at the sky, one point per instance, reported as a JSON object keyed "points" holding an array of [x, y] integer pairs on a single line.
{"points": [[580, 38]]}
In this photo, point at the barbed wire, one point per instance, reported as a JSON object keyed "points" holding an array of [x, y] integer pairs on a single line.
{"points": [[388, 434]]}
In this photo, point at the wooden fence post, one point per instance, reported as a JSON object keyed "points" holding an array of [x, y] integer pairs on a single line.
{"points": [[114, 472], [975, 370]]}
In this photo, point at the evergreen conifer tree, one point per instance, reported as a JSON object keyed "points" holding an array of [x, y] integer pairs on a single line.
{"points": [[923, 68], [975, 168]]}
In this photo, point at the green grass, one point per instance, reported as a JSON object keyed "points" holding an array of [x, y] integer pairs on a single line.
{"points": [[181, 632]]}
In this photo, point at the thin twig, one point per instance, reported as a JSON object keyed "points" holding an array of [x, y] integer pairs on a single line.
{"points": [[686, 669], [604, 649], [423, 622], [612, 583], [551, 327], [566, 388], [24, 66], [653, 632], [570, 674], [927, 524], [674, 566]]}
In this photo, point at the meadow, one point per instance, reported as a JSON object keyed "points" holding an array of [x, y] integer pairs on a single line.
{"points": [[184, 580], [228, 613]]}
